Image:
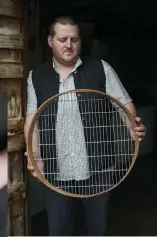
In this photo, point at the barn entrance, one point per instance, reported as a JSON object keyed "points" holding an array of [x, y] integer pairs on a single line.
{"points": [[122, 33]]}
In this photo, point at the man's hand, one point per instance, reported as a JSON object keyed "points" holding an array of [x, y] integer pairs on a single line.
{"points": [[31, 168], [140, 129]]}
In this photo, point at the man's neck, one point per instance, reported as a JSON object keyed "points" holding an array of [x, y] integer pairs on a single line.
{"points": [[61, 66], [63, 70]]}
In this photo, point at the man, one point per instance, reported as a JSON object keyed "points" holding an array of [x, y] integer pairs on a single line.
{"points": [[68, 71]]}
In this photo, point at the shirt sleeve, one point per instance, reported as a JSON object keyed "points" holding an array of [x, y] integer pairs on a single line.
{"points": [[114, 86], [31, 96]]}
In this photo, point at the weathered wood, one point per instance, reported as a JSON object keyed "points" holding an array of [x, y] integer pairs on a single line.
{"points": [[16, 143], [16, 211], [11, 80], [15, 190], [14, 103], [11, 41], [13, 88], [10, 56], [16, 218], [8, 70], [9, 26], [15, 126], [10, 8], [15, 169]]}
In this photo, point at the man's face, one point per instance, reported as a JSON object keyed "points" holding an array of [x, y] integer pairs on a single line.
{"points": [[65, 44]]}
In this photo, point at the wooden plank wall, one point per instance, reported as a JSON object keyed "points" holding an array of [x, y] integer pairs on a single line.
{"points": [[12, 81]]}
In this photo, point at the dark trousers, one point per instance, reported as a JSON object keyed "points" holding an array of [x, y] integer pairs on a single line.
{"points": [[60, 214]]}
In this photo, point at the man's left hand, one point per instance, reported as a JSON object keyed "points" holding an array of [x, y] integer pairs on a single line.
{"points": [[140, 129]]}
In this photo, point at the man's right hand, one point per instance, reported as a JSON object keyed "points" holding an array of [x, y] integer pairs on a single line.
{"points": [[31, 168]]}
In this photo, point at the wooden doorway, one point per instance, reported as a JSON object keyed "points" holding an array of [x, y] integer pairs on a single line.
{"points": [[13, 69]]}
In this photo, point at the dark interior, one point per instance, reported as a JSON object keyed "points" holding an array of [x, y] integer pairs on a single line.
{"points": [[124, 33]]}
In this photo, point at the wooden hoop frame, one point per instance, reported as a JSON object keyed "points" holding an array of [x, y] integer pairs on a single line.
{"points": [[31, 130]]}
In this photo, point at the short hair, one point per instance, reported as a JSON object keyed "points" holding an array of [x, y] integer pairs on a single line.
{"points": [[64, 20]]}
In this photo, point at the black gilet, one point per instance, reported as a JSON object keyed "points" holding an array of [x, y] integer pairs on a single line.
{"points": [[89, 75]]}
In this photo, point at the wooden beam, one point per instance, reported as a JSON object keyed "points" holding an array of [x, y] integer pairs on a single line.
{"points": [[10, 8], [15, 190], [16, 143], [15, 169], [10, 56], [15, 126], [13, 88], [9, 70], [16, 210], [11, 41]]}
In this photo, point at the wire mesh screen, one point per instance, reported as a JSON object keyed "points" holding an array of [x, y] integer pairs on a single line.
{"points": [[84, 143]]}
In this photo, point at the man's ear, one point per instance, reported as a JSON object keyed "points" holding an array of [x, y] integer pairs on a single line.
{"points": [[49, 40]]}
